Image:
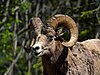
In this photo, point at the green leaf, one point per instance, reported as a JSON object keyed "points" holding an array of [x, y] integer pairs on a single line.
{"points": [[13, 10], [84, 33], [87, 14], [8, 25], [18, 21], [25, 6]]}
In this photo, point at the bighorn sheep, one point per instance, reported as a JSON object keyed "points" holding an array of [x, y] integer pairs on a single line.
{"points": [[62, 57]]}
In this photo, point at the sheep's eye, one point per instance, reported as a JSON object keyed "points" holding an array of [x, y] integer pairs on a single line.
{"points": [[50, 38]]}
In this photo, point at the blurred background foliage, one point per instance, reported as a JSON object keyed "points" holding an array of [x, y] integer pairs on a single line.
{"points": [[14, 19]]}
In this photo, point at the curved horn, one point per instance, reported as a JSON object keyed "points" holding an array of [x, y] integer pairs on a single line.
{"points": [[67, 22]]}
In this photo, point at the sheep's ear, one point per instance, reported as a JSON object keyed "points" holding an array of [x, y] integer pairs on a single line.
{"points": [[37, 24], [27, 49]]}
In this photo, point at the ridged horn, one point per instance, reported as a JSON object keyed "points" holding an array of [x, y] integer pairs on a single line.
{"points": [[68, 22]]}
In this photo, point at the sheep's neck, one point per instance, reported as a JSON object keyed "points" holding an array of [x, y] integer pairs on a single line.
{"points": [[48, 67], [54, 69]]}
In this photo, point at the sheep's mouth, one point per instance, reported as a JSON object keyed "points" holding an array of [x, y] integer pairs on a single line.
{"points": [[43, 51], [37, 54]]}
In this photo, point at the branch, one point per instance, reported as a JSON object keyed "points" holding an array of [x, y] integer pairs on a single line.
{"points": [[29, 55], [15, 34], [97, 15], [5, 14], [37, 9]]}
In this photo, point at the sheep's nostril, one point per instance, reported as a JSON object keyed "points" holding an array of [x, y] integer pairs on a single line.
{"points": [[33, 48], [37, 48]]}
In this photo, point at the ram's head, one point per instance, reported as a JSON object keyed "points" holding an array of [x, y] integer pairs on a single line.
{"points": [[45, 36]]}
